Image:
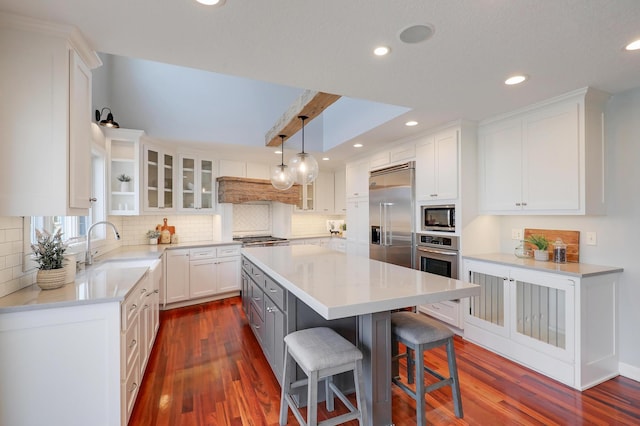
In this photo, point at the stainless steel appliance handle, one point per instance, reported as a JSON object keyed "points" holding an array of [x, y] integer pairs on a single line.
{"points": [[446, 253]]}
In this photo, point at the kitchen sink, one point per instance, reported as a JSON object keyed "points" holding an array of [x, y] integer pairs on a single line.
{"points": [[124, 263]]}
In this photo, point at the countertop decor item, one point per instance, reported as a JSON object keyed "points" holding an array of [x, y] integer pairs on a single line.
{"points": [[48, 252], [542, 245], [153, 235], [570, 238], [166, 232]]}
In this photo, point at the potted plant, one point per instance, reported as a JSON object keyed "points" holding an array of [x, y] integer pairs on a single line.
{"points": [[153, 236], [542, 245], [124, 182], [48, 252]]}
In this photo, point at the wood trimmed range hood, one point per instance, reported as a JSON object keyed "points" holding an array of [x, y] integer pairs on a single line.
{"points": [[237, 190]]}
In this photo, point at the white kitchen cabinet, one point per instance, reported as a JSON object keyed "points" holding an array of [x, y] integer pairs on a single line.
{"points": [[318, 196], [358, 226], [243, 169], [542, 319], [123, 156], [203, 272], [196, 183], [177, 273], [160, 173], [546, 159], [357, 179], [339, 192], [437, 167], [46, 104], [307, 198]]}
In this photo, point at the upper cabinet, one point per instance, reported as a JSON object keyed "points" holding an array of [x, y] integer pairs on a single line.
{"points": [[160, 170], [340, 194], [317, 196], [196, 184], [45, 166], [123, 173], [437, 167], [546, 159], [357, 179]]}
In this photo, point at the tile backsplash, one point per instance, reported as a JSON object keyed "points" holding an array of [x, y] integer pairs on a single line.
{"points": [[311, 224], [189, 228], [11, 248], [252, 219]]}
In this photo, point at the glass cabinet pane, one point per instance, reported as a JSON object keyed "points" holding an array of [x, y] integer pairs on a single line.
{"points": [[188, 183], [152, 178], [206, 183], [168, 181]]}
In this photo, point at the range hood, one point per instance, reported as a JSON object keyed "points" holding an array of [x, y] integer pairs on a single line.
{"points": [[236, 190]]}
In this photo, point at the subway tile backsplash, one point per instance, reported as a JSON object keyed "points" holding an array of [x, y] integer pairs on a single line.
{"points": [[311, 224], [11, 248], [133, 229]]}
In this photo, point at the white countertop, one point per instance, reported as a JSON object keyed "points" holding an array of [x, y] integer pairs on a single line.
{"points": [[96, 283], [572, 269], [339, 285]]}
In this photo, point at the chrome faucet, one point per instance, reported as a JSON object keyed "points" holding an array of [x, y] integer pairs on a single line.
{"points": [[89, 255]]}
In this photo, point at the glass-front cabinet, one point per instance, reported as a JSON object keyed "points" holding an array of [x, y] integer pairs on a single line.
{"points": [[123, 148], [197, 184], [160, 171]]}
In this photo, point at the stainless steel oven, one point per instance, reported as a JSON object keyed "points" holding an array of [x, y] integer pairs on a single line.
{"points": [[438, 254]]}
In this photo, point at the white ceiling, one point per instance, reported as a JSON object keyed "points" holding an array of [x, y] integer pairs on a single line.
{"points": [[326, 45]]}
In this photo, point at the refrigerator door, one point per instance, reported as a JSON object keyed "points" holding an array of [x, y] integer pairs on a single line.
{"points": [[390, 216]]}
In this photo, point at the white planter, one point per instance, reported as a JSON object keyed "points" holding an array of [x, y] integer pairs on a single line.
{"points": [[153, 241], [541, 255], [124, 186]]}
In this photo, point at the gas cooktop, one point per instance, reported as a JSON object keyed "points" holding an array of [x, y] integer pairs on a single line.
{"points": [[261, 240]]}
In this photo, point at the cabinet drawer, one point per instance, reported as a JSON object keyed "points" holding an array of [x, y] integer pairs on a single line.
{"points": [[257, 275], [130, 389], [129, 308], [448, 312], [274, 292], [202, 253], [130, 341], [246, 265], [257, 297], [257, 324], [228, 251]]}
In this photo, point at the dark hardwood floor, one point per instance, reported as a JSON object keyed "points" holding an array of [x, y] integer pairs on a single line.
{"points": [[207, 369]]}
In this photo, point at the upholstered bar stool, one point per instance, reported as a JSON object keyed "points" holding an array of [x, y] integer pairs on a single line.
{"points": [[321, 353], [419, 333]]}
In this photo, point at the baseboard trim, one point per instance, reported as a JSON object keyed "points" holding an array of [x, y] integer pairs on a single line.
{"points": [[629, 371]]}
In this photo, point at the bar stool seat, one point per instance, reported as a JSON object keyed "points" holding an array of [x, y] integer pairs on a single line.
{"points": [[321, 353], [419, 333]]}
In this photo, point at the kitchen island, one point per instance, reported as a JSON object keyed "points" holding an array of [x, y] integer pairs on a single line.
{"points": [[337, 287]]}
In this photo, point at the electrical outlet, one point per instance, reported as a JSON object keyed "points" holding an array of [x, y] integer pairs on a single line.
{"points": [[592, 239], [516, 234]]}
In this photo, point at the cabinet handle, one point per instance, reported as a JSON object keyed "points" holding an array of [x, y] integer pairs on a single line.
{"points": [[133, 307], [524, 204], [273, 290], [272, 309], [133, 343], [257, 327], [256, 298], [433, 195], [93, 199], [435, 307], [134, 386], [156, 291], [144, 290], [518, 204]]}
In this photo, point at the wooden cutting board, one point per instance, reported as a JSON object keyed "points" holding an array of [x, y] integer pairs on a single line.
{"points": [[165, 227], [570, 238]]}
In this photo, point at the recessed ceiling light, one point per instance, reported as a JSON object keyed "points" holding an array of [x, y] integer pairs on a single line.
{"points": [[381, 50], [411, 123], [516, 79], [211, 2], [325, 158], [357, 145], [634, 45], [416, 34]]}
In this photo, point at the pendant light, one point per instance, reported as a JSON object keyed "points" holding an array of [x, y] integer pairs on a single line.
{"points": [[280, 177], [303, 167]]}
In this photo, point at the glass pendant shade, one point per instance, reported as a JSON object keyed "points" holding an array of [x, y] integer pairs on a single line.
{"points": [[303, 167], [281, 177]]}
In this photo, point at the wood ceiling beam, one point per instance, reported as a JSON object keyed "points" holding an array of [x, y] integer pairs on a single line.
{"points": [[310, 103]]}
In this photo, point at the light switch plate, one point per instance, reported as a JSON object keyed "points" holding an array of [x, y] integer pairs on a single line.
{"points": [[516, 234], [592, 239]]}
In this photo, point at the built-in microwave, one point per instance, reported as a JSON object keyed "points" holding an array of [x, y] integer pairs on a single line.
{"points": [[439, 218]]}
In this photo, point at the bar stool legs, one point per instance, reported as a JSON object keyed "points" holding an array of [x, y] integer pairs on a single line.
{"points": [[321, 353], [419, 333]]}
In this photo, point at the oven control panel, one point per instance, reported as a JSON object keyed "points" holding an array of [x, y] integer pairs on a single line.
{"points": [[432, 240]]}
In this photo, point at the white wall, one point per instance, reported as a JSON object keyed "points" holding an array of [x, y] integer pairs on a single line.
{"points": [[618, 232]]}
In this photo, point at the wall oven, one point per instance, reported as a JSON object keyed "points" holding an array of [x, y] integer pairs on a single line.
{"points": [[438, 218], [438, 254]]}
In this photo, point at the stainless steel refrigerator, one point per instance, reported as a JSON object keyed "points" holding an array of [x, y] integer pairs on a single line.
{"points": [[391, 214]]}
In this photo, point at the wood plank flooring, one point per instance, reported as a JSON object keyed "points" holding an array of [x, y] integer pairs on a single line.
{"points": [[207, 369]]}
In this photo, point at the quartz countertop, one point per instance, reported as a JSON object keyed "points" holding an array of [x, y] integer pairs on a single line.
{"points": [[572, 269], [98, 283], [339, 285]]}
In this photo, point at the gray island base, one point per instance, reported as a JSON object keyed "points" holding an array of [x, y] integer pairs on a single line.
{"points": [[291, 288]]}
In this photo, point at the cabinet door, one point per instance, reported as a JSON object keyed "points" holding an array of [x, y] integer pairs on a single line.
{"points": [[340, 192], [425, 170], [123, 150], [228, 274], [196, 183], [446, 165], [79, 133], [357, 179], [500, 166], [158, 167], [551, 159], [542, 314], [187, 182], [489, 310], [202, 278], [177, 281], [358, 226], [207, 184], [324, 193], [273, 345]]}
